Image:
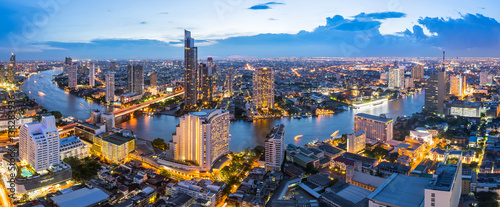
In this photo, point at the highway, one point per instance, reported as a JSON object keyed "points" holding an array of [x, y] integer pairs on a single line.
{"points": [[133, 108]]}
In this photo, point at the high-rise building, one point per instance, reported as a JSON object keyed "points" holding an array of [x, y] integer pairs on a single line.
{"points": [[378, 128], [206, 80], [153, 80], [72, 75], [202, 137], [190, 71], [135, 79], [229, 83], [39, 143], [458, 85], [275, 148], [12, 69], [356, 141], [409, 83], [91, 74], [263, 88], [67, 64], [114, 147], [110, 87], [112, 67], [485, 79], [445, 187], [396, 78], [2, 74], [437, 91], [417, 72]]}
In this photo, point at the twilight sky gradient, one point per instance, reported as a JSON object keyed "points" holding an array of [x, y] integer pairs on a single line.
{"points": [[116, 29]]}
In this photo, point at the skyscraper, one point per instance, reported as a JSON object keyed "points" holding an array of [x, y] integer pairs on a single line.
{"points": [[263, 88], [485, 79], [190, 70], [436, 91], [458, 86], [202, 137], [275, 148], [112, 68], [91, 74], [72, 75], [206, 80], [110, 87], [396, 78], [153, 80], [356, 141], [67, 63], [39, 143], [417, 72], [2, 74], [229, 83], [12, 69], [135, 79]]}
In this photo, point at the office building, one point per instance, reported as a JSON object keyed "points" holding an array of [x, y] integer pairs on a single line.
{"points": [[229, 83], [2, 74], [72, 75], [436, 92], [446, 185], [356, 141], [399, 190], [73, 147], [396, 78], [153, 80], [11, 69], [91, 74], [464, 108], [417, 73], [378, 128], [206, 82], [202, 137], [135, 78], [458, 85], [112, 67], [39, 144], [114, 147], [409, 83], [190, 72], [485, 79], [263, 89], [275, 148], [110, 87]]}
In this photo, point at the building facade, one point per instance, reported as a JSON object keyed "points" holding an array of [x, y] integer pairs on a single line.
{"points": [[356, 141], [201, 138], [115, 147], [417, 72], [378, 128], [73, 147], [110, 87], [91, 74], [458, 85], [135, 79], [72, 75], [39, 144], [190, 71], [263, 89], [436, 93], [275, 148], [396, 78]]}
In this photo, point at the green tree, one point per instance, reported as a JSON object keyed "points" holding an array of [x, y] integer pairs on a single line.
{"points": [[487, 199], [56, 114], [393, 157], [159, 143]]}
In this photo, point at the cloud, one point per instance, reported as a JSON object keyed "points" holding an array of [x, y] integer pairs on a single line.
{"points": [[264, 6], [381, 15], [163, 12], [143, 23], [272, 19]]}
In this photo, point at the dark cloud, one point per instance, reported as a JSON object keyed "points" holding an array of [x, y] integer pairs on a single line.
{"points": [[264, 6], [381, 15]]}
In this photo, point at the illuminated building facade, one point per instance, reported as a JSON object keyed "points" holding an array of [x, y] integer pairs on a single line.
{"points": [[153, 80], [263, 88], [275, 148], [115, 147], [396, 78], [201, 138], [91, 74], [135, 79], [417, 73], [110, 87], [12, 69], [73, 147], [190, 71], [72, 75], [2, 74], [39, 144], [458, 85], [378, 128], [356, 141]]}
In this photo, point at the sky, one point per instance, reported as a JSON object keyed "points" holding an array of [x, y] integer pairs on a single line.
{"points": [[153, 29]]}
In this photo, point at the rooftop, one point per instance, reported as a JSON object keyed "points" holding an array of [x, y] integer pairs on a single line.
{"points": [[445, 177], [68, 140], [80, 198], [401, 190], [373, 117], [117, 139]]}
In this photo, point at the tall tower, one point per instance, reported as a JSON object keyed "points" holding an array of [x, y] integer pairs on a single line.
{"points": [[206, 80], [91, 74], [112, 68], [396, 78], [39, 143], [72, 75], [417, 72], [190, 70], [2, 74], [153, 81], [263, 89], [229, 83], [135, 79], [202, 137], [12, 69], [275, 148], [67, 63], [110, 87], [437, 91]]}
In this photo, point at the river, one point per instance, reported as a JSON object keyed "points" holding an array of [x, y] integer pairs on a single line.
{"points": [[243, 134]]}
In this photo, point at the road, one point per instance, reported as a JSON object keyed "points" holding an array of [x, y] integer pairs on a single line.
{"points": [[129, 109], [4, 193]]}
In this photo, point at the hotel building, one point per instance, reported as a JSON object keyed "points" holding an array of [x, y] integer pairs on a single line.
{"points": [[378, 128], [263, 88], [73, 147], [356, 141], [275, 148]]}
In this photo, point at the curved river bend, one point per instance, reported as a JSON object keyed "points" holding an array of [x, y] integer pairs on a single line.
{"points": [[243, 134]]}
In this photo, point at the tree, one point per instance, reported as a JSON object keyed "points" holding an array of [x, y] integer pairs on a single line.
{"points": [[56, 114], [159, 143], [487, 199], [259, 150], [85, 170], [393, 157]]}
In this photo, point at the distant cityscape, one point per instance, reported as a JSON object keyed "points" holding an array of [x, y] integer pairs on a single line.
{"points": [[394, 131]]}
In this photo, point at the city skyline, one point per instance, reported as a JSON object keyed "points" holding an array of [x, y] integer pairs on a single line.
{"points": [[251, 29]]}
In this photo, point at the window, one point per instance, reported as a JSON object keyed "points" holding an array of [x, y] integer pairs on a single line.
{"points": [[432, 204], [433, 195]]}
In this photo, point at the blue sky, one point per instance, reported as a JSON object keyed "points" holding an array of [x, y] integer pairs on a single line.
{"points": [[126, 29]]}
